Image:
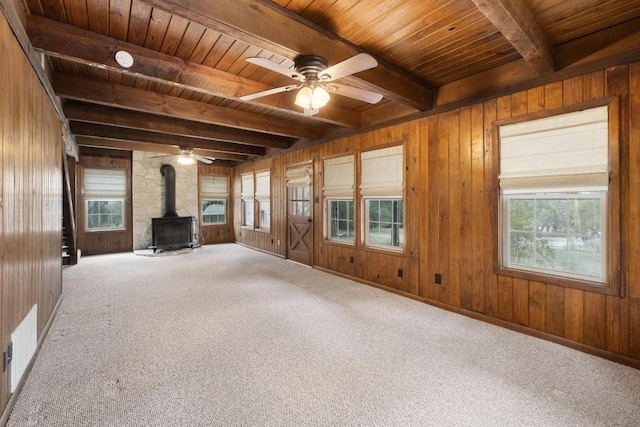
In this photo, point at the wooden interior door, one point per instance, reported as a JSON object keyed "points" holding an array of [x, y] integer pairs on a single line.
{"points": [[300, 224]]}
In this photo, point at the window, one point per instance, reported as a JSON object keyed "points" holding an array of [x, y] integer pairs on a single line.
{"points": [[246, 196], [340, 221], [384, 222], [338, 192], [263, 198], [381, 187], [554, 195], [104, 194], [214, 190]]}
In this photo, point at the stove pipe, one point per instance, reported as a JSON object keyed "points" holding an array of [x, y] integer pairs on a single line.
{"points": [[169, 174]]}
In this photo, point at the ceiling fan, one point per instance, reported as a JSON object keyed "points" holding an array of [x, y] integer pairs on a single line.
{"points": [[318, 80], [187, 157]]}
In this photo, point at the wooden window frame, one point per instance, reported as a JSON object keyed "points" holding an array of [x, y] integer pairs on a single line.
{"points": [[613, 233], [207, 197]]}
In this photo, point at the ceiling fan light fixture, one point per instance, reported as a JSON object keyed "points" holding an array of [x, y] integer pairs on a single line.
{"points": [[186, 159], [312, 98], [320, 97], [304, 97]]}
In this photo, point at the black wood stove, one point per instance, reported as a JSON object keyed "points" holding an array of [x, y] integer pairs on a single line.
{"points": [[171, 231]]}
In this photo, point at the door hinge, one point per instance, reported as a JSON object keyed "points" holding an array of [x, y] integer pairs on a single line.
{"points": [[7, 355]]}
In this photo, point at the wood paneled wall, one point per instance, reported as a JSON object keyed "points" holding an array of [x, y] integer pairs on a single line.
{"points": [[102, 242], [217, 233], [450, 222], [31, 185]]}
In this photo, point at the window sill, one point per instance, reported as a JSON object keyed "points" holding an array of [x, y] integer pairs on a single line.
{"points": [[263, 230], [399, 252], [338, 243], [607, 289], [106, 230]]}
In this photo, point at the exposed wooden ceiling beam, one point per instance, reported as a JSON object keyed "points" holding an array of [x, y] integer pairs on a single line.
{"points": [[96, 50], [519, 26], [113, 132], [615, 45], [130, 119], [122, 144], [273, 28], [104, 93]]}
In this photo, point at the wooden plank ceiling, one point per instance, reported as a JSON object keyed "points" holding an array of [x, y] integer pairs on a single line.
{"points": [[190, 65]]}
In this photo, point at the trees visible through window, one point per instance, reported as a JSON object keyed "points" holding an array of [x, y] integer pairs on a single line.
{"points": [[554, 182], [104, 194], [341, 223], [214, 211], [247, 197], [338, 191], [214, 192], [558, 233], [381, 187], [263, 198], [385, 222], [105, 215]]}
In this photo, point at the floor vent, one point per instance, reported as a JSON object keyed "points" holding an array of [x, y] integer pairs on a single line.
{"points": [[25, 342]]}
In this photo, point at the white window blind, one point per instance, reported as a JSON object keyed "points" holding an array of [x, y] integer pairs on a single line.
{"points": [[339, 176], [105, 183], [382, 172], [263, 186], [214, 186], [558, 153], [298, 176], [247, 186]]}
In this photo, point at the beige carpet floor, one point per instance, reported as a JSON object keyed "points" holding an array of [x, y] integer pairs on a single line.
{"points": [[228, 336]]}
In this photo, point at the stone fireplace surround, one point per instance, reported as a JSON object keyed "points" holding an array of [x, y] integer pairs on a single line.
{"points": [[148, 192]]}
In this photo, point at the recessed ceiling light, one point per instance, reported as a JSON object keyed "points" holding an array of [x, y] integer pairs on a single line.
{"points": [[124, 58]]}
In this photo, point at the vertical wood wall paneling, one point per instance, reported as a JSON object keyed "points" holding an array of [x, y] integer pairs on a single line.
{"points": [[490, 208], [255, 238], [466, 210], [479, 212], [414, 199], [31, 186], [434, 216], [213, 234], [102, 242], [442, 207], [454, 207], [451, 215], [631, 204], [617, 84]]}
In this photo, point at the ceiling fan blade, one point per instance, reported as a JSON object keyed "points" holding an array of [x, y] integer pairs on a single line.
{"points": [[205, 160], [355, 64], [270, 65], [268, 92], [355, 93]]}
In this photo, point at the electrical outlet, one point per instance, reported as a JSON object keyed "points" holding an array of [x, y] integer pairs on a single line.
{"points": [[438, 278], [400, 273], [351, 260]]}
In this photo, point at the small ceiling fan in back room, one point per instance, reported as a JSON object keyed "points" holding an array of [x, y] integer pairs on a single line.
{"points": [[188, 157], [318, 80]]}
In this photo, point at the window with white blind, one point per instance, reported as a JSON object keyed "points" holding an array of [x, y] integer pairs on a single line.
{"points": [[247, 197], [554, 195], [263, 198], [381, 188], [104, 194], [338, 192], [214, 193]]}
